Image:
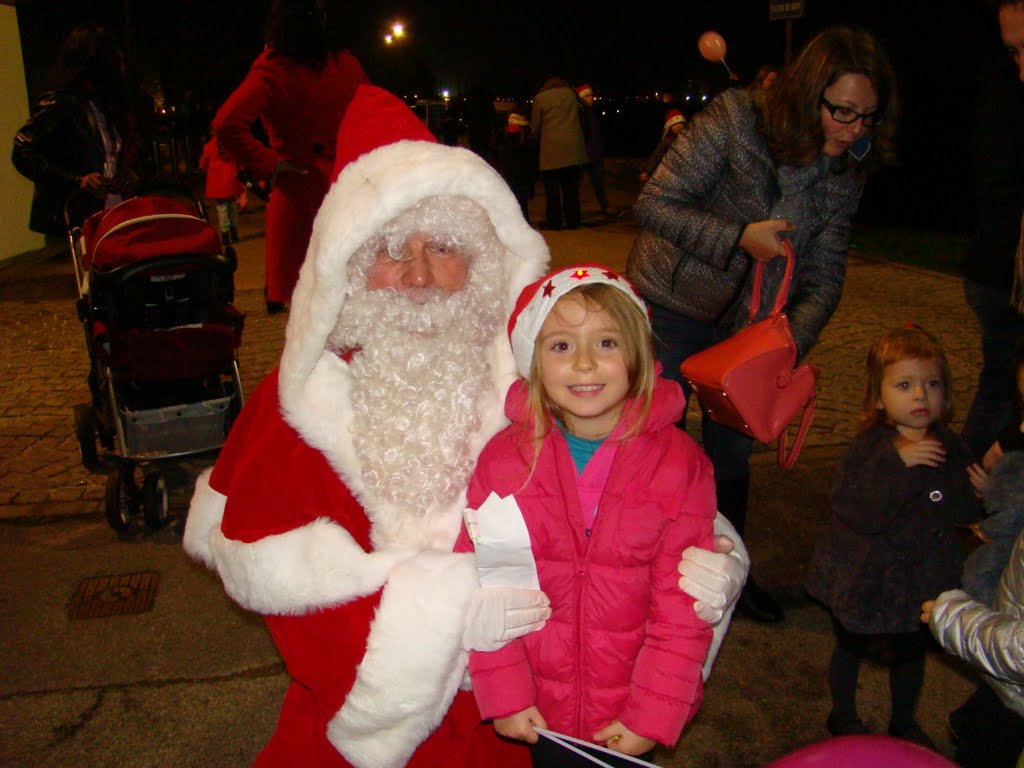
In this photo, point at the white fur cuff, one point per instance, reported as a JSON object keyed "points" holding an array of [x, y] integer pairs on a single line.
{"points": [[413, 664], [205, 512]]}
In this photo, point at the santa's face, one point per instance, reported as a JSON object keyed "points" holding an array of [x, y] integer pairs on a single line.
{"points": [[424, 265], [422, 309]]}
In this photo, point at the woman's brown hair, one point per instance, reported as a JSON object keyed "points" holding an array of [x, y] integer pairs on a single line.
{"points": [[791, 119]]}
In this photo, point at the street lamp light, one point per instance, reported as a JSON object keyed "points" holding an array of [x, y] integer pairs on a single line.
{"points": [[394, 33]]}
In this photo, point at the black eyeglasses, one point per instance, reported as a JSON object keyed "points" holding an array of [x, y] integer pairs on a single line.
{"points": [[845, 115]]}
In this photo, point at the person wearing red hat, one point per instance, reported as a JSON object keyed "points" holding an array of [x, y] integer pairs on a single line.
{"points": [[593, 135], [604, 492], [299, 88], [675, 124], [334, 506]]}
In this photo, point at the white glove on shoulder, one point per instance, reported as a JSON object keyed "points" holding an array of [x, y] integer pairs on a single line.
{"points": [[497, 615], [714, 579]]}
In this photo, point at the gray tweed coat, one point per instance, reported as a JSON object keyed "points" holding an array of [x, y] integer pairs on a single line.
{"points": [[718, 177]]}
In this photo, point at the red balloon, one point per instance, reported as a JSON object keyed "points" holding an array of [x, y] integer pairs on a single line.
{"points": [[711, 46], [860, 751]]}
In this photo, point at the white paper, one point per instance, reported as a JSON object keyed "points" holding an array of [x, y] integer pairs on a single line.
{"points": [[503, 554]]}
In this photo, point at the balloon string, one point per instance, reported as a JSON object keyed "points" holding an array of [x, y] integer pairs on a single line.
{"points": [[731, 75]]}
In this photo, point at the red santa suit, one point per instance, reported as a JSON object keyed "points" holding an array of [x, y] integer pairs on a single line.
{"points": [[365, 599], [301, 109]]}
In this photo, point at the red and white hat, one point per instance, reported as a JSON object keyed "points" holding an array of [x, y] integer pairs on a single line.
{"points": [[672, 117], [584, 90], [516, 123], [538, 298]]}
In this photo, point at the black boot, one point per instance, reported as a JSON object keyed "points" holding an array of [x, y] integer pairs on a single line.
{"points": [[234, 234], [225, 238], [756, 604]]}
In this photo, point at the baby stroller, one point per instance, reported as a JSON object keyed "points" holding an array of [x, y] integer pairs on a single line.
{"points": [[155, 299]]}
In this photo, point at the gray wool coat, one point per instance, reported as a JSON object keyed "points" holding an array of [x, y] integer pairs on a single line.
{"points": [[717, 177]]}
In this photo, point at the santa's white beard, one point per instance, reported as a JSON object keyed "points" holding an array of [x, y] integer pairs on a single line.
{"points": [[415, 385]]}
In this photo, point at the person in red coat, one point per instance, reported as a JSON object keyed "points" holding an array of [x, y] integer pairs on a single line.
{"points": [[222, 189], [334, 506], [299, 87]]}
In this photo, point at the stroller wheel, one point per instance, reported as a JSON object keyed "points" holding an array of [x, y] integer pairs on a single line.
{"points": [[119, 499], [155, 500], [85, 432]]}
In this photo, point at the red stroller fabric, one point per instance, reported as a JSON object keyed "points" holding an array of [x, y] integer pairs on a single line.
{"points": [[144, 228]]}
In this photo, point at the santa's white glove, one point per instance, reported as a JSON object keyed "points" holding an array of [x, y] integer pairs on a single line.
{"points": [[714, 579], [499, 614]]}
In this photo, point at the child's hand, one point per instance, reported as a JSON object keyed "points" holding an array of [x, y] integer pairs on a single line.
{"points": [[926, 611], [992, 456], [975, 528], [619, 738], [521, 725], [927, 452], [979, 480]]}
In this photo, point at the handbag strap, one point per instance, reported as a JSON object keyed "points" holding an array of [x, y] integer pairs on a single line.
{"points": [[786, 461], [783, 294]]}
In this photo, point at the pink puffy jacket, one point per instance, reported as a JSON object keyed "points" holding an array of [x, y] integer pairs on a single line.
{"points": [[623, 642]]}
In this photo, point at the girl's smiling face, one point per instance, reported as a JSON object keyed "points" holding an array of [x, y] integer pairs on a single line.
{"points": [[582, 367]]}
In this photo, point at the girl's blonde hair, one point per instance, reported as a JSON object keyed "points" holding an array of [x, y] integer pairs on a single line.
{"points": [[637, 352], [909, 342]]}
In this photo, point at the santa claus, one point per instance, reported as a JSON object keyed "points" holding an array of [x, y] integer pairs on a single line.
{"points": [[335, 503]]}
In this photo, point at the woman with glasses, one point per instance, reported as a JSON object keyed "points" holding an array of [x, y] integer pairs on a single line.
{"points": [[755, 168]]}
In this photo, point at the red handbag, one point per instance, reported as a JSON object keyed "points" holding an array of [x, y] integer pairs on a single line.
{"points": [[748, 381]]}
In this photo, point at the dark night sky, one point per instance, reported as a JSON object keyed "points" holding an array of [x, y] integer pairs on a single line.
{"points": [[939, 48]]}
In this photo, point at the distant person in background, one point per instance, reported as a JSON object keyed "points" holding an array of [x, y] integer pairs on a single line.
{"points": [[82, 135], [299, 87], [593, 137], [223, 189], [555, 124], [481, 121], [747, 173], [994, 256], [675, 124], [765, 78], [517, 158]]}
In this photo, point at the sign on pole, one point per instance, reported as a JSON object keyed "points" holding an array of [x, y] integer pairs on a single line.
{"points": [[779, 10]]}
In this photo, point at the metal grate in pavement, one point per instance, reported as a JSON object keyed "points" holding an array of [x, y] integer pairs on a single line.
{"points": [[122, 595]]}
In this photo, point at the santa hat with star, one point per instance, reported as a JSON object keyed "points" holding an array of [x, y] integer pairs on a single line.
{"points": [[672, 117], [539, 298]]}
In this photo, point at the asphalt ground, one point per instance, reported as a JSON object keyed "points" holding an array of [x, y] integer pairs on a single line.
{"points": [[194, 681]]}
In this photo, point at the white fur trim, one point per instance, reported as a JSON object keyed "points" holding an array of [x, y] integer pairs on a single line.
{"points": [[205, 512], [413, 664], [315, 566]]}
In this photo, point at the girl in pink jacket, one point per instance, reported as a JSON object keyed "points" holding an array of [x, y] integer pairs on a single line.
{"points": [[591, 493]]}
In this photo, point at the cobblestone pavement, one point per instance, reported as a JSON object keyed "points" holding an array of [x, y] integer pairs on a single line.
{"points": [[171, 687]]}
